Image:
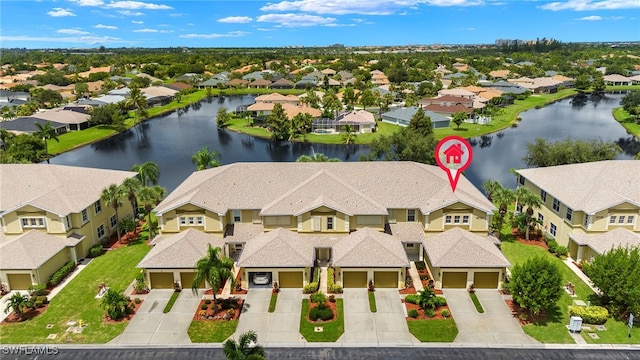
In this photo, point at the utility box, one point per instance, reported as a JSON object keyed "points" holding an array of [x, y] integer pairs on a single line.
{"points": [[575, 324]]}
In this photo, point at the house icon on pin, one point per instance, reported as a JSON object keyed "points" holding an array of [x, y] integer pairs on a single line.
{"points": [[454, 153]]}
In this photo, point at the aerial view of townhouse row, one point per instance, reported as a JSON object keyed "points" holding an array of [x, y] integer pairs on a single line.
{"points": [[379, 252]]}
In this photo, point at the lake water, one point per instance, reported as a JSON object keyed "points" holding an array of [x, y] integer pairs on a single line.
{"points": [[171, 140]]}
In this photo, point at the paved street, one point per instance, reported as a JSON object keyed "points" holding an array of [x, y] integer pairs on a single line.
{"points": [[495, 326]]}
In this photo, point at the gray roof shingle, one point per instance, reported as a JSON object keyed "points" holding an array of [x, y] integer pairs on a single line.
{"points": [[369, 248], [30, 250], [180, 251], [459, 248], [604, 242]]}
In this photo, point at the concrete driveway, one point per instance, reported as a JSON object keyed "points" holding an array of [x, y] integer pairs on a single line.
{"points": [[151, 326], [281, 326], [385, 327], [495, 326]]}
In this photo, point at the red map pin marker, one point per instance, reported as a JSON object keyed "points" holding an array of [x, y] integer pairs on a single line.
{"points": [[453, 155]]}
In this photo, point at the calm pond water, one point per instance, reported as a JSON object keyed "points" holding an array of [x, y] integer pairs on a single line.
{"points": [[171, 140]]}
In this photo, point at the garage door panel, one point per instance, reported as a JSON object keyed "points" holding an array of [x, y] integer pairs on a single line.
{"points": [[385, 279], [454, 280], [161, 280], [290, 279], [19, 281], [486, 280], [354, 279], [186, 279]]}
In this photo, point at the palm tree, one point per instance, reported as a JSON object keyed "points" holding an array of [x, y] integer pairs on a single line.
{"points": [[246, 348], [349, 134], [501, 197], [5, 137], [214, 269], [491, 187], [46, 132], [137, 101], [148, 197], [112, 195], [204, 158], [130, 186], [316, 157], [148, 173], [18, 303], [115, 303], [531, 201], [426, 298]]}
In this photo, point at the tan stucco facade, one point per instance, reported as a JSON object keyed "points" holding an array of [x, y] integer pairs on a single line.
{"points": [[370, 273], [42, 274], [275, 274]]}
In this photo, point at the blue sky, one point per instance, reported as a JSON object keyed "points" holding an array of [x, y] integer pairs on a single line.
{"points": [[249, 23]]}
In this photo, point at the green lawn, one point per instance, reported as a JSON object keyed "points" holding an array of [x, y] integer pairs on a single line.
{"points": [[372, 302], [211, 331], [433, 330], [272, 302], [77, 302], [630, 123], [331, 330], [74, 139], [616, 333], [476, 303], [172, 301]]}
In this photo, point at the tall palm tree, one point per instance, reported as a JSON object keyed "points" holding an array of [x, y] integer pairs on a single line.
{"points": [[18, 303], [137, 101], [148, 198], [115, 303], [531, 201], [501, 197], [148, 173], [112, 195], [491, 187], [46, 132], [204, 158], [213, 269], [130, 187], [349, 134], [246, 348]]}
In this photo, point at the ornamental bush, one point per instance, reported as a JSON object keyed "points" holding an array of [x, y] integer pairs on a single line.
{"points": [[310, 288], [536, 284], [596, 315], [430, 312], [321, 314], [445, 313], [562, 251], [439, 301], [412, 298], [413, 313], [57, 277], [96, 250], [553, 245], [420, 265]]}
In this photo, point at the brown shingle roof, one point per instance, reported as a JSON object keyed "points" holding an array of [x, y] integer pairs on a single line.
{"points": [[459, 248]]}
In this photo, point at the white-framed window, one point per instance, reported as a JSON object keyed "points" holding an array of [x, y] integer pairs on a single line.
{"points": [[411, 215], [34, 222], [199, 220], [543, 195], [569, 214], [447, 219], [612, 219], [465, 219], [100, 231], [456, 219], [410, 245], [85, 216], [621, 219], [191, 220], [237, 216], [540, 217], [556, 205], [630, 219], [97, 207], [183, 221], [330, 223], [553, 229], [112, 221]]}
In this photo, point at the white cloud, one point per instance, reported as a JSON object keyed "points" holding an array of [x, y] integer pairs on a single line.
{"points": [[339, 25], [342, 7], [59, 12], [591, 18], [88, 2], [471, 29], [108, 27], [72, 32], [264, 29], [190, 24], [136, 5], [215, 35], [89, 40], [130, 13], [146, 30], [296, 20], [236, 19], [589, 5], [137, 22]]}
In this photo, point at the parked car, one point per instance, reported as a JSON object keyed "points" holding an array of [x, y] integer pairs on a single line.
{"points": [[261, 278]]}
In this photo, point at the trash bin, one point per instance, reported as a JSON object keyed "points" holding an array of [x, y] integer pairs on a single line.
{"points": [[575, 324]]}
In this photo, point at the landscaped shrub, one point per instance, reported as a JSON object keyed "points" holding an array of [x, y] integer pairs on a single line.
{"points": [[140, 286], [445, 313], [595, 315], [506, 288], [439, 301], [38, 290], [57, 277], [412, 298], [96, 250], [207, 301], [38, 304], [430, 312], [321, 313], [319, 298], [331, 282], [310, 288], [552, 246], [420, 265], [137, 300], [562, 250], [336, 289], [43, 299], [203, 307], [413, 313]]}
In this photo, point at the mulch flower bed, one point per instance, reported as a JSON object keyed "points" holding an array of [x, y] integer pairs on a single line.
{"points": [[221, 312], [522, 315], [241, 291], [408, 290], [132, 305], [422, 316], [331, 305], [210, 292], [534, 239], [29, 314]]}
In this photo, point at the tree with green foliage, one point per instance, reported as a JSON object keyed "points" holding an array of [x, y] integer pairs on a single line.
{"points": [[109, 114], [22, 149], [598, 83], [459, 118], [300, 125], [204, 158], [81, 89], [582, 83], [148, 173], [403, 145], [421, 124], [617, 274], [331, 103], [46, 132], [542, 153], [46, 96], [18, 303], [130, 187], [279, 123], [223, 117], [631, 103], [311, 98], [502, 197], [317, 157], [214, 268], [529, 201], [426, 298], [126, 226], [349, 98], [246, 348], [368, 98], [137, 101], [536, 284], [112, 195], [115, 303], [349, 134], [148, 198]]}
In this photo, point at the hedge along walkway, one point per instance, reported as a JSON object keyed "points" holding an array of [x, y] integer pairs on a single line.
{"points": [[77, 302]]}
